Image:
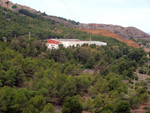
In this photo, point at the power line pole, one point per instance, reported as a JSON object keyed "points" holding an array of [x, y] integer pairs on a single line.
{"points": [[134, 84], [128, 90], [15, 36], [89, 45], [148, 67], [29, 35], [90, 40]]}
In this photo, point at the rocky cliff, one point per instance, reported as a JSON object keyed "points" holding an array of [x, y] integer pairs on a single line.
{"points": [[124, 32]]}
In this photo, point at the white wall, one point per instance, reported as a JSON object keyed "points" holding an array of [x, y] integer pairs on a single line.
{"points": [[52, 46], [71, 43]]}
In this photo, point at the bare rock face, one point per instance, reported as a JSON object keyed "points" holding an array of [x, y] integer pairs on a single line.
{"points": [[124, 32], [8, 4]]}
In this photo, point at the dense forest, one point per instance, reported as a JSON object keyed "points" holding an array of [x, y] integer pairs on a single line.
{"points": [[34, 79]]}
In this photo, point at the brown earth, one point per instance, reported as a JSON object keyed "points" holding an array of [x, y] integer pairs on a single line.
{"points": [[147, 49], [141, 108], [107, 33], [124, 32]]}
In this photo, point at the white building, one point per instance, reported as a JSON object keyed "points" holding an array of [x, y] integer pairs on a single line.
{"points": [[54, 43]]}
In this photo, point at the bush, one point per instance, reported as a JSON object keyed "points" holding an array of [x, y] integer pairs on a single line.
{"points": [[27, 13], [48, 109], [148, 111], [148, 72], [14, 6], [123, 107], [144, 97], [72, 105], [143, 70], [135, 102], [146, 108], [148, 91]]}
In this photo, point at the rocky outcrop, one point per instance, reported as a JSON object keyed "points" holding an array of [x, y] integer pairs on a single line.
{"points": [[8, 4], [107, 33], [124, 32]]}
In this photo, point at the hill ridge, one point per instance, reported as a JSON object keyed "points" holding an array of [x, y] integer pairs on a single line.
{"points": [[8, 4], [111, 28], [124, 32]]}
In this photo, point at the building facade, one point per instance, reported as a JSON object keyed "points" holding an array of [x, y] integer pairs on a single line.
{"points": [[54, 43]]}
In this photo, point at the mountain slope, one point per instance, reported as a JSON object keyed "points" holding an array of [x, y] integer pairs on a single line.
{"points": [[124, 32], [19, 24], [16, 7], [20, 20], [103, 32]]}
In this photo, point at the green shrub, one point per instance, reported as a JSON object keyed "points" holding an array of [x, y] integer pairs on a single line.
{"points": [[148, 111], [146, 108], [148, 92], [123, 107], [72, 105], [14, 6]]}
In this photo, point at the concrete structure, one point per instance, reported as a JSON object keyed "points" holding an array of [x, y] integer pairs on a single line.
{"points": [[54, 43]]}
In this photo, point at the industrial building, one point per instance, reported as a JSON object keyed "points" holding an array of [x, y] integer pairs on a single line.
{"points": [[54, 43]]}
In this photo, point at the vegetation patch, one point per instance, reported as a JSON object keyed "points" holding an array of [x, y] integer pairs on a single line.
{"points": [[14, 6]]}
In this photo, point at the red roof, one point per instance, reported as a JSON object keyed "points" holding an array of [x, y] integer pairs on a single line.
{"points": [[50, 41]]}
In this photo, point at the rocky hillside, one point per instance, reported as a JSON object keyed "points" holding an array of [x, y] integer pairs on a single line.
{"points": [[16, 7], [124, 32], [105, 30], [107, 33]]}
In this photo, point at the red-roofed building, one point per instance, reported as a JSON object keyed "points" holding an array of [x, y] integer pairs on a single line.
{"points": [[50, 41], [52, 44]]}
